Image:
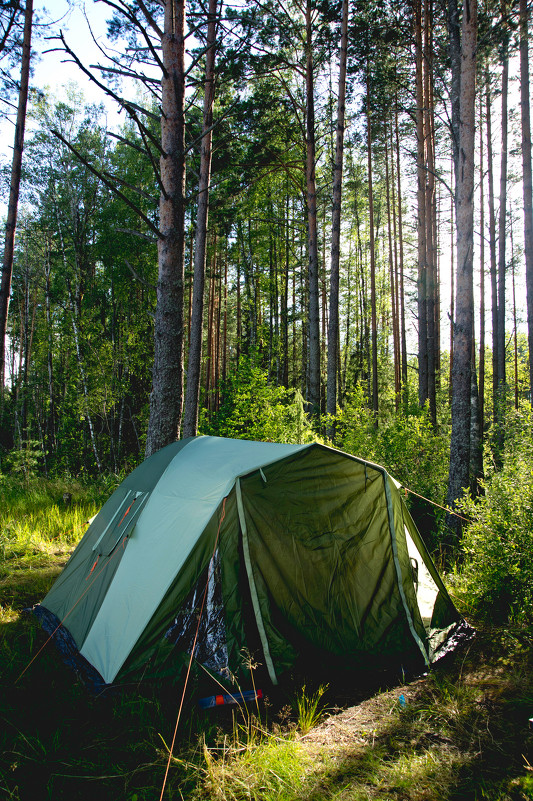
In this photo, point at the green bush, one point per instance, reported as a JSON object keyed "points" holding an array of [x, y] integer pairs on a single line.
{"points": [[495, 579], [253, 408], [405, 444]]}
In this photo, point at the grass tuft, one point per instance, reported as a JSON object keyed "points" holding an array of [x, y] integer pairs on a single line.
{"points": [[308, 708]]}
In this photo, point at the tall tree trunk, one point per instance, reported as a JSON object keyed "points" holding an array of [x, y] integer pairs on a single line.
{"points": [[314, 316], [527, 184], [454, 38], [481, 276], [430, 215], [392, 278], [403, 334], [452, 284], [502, 232], [167, 376], [463, 323], [14, 186], [492, 245], [333, 330], [423, 390], [515, 324], [396, 296], [373, 299], [285, 299], [192, 393]]}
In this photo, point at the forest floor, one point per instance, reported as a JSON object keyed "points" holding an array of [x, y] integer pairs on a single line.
{"points": [[461, 732]]}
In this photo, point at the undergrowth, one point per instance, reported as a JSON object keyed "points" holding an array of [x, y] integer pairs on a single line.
{"points": [[462, 733]]}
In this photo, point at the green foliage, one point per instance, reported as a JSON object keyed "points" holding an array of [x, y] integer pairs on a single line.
{"points": [[24, 461], [253, 408], [405, 444], [495, 579]]}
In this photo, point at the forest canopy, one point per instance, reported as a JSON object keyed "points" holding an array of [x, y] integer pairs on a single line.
{"points": [[314, 221]]}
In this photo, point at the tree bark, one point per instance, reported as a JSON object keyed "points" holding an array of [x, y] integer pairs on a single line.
{"points": [[167, 376], [463, 323], [14, 186], [492, 246], [502, 231], [373, 299], [430, 215], [403, 335], [423, 389], [454, 34], [192, 393], [314, 316], [333, 330], [527, 183], [481, 276]]}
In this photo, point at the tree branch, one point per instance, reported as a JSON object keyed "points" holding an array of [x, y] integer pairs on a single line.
{"points": [[110, 186]]}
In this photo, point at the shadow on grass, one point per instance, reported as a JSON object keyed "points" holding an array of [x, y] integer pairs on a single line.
{"points": [[464, 736]]}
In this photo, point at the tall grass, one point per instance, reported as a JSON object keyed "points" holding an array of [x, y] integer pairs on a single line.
{"points": [[41, 518]]}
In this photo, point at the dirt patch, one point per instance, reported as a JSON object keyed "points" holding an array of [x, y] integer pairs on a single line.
{"points": [[359, 724]]}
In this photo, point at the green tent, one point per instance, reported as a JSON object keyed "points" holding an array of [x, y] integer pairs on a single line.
{"points": [[284, 552]]}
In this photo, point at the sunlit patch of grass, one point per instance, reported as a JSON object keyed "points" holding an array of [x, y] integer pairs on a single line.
{"points": [[308, 708], [252, 763], [42, 520]]}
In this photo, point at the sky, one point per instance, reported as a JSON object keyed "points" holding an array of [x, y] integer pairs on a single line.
{"points": [[52, 70]]}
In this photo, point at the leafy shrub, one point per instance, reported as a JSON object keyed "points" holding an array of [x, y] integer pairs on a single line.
{"points": [[405, 444], [252, 408], [495, 579]]}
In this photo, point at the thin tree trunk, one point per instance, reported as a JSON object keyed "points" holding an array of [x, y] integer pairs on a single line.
{"points": [[430, 215], [481, 276], [454, 34], [423, 388], [502, 230], [192, 393], [392, 278], [14, 186], [396, 282], [515, 324], [285, 300], [373, 299], [452, 286], [403, 335], [463, 323], [167, 376], [333, 330], [314, 316], [527, 183], [492, 248]]}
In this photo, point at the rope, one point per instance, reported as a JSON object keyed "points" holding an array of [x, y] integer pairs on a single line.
{"points": [[88, 587], [170, 753], [444, 508]]}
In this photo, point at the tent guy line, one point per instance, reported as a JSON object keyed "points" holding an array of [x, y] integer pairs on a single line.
{"points": [[193, 649]]}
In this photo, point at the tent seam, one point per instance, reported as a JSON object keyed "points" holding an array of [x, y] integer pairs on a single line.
{"points": [[253, 588], [398, 568]]}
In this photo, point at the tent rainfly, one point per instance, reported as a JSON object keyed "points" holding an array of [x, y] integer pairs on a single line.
{"points": [[286, 552]]}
